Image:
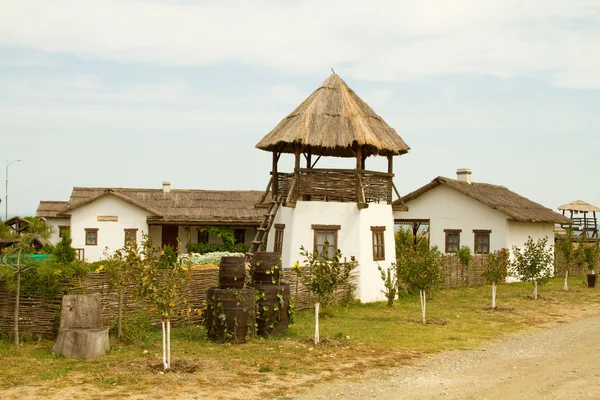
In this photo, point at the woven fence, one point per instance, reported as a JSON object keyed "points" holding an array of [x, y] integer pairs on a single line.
{"points": [[457, 275], [40, 316]]}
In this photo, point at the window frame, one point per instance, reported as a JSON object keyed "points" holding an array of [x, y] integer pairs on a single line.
{"points": [[62, 229], [327, 229], [278, 241], [378, 248], [482, 233], [201, 234], [130, 230], [91, 230], [236, 238], [448, 233]]}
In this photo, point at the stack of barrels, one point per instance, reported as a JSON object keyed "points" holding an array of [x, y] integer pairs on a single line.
{"points": [[237, 311], [231, 308], [272, 295]]}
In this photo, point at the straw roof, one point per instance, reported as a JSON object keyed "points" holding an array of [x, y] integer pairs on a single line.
{"points": [[334, 121], [180, 206], [49, 209], [516, 207], [579, 205]]}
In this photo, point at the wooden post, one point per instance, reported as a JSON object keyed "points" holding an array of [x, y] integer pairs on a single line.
{"points": [[390, 158], [275, 185], [297, 158], [363, 159], [308, 157]]}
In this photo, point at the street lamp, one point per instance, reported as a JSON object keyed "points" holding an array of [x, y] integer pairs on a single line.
{"points": [[6, 198]]}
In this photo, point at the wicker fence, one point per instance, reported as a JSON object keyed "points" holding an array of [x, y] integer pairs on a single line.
{"points": [[456, 275], [40, 316]]}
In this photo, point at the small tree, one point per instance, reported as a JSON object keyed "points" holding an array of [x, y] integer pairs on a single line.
{"points": [[390, 281], [588, 255], [64, 251], [495, 271], [533, 263], [159, 279], [15, 260], [421, 270], [564, 245], [322, 275]]}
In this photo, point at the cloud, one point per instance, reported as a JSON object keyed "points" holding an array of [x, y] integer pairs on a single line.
{"points": [[394, 40]]}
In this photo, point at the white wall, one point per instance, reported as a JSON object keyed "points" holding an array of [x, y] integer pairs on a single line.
{"points": [[354, 237], [55, 223], [110, 234], [519, 232], [448, 209]]}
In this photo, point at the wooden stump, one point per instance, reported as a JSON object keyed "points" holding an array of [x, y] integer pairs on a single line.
{"points": [[81, 332]]}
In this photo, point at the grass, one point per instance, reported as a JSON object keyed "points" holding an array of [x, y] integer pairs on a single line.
{"points": [[355, 339]]}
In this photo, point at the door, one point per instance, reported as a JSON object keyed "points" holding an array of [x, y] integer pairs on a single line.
{"points": [[169, 236]]}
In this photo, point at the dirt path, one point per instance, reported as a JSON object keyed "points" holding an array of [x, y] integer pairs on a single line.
{"points": [[562, 362]]}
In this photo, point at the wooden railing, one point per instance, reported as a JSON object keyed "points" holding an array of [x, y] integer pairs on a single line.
{"points": [[342, 185]]}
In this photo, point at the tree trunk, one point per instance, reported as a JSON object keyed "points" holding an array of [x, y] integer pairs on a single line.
{"points": [[164, 345], [566, 287], [494, 295], [535, 289], [120, 316], [16, 319], [168, 343], [316, 323], [423, 297]]}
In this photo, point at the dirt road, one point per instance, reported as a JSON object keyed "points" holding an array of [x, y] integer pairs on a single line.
{"points": [[562, 362]]}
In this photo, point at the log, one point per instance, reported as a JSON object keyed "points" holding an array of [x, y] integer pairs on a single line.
{"points": [[84, 344], [81, 311]]}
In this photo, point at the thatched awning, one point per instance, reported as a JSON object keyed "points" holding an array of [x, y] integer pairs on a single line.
{"points": [[334, 121], [50, 209], [579, 205]]}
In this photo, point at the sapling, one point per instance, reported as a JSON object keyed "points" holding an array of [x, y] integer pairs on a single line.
{"points": [[495, 270], [533, 263], [564, 244], [390, 281]]}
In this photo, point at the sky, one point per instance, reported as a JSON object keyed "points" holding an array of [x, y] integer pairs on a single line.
{"points": [[131, 93]]}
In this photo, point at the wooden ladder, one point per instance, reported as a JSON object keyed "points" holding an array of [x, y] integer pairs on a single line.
{"points": [[262, 232]]}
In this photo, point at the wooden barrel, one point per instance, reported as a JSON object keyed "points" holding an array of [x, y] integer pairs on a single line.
{"points": [[230, 315], [232, 273], [273, 308], [266, 267]]}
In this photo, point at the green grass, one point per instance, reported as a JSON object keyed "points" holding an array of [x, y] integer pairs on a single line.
{"points": [[355, 338]]}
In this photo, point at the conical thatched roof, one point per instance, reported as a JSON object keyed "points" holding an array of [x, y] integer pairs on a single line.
{"points": [[334, 121], [579, 205]]}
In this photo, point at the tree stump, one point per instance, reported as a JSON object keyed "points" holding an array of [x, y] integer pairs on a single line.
{"points": [[81, 333]]}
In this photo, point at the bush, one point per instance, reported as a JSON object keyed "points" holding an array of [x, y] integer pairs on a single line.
{"points": [[203, 248], [137, 326], [208, 258]]}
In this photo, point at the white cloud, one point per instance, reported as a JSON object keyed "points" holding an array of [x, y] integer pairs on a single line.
{"points": [[392, 40]]}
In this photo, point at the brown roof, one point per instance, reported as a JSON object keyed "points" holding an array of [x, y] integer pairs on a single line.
{"points": [[333, 121], [181, 205], [517, 207], [49, 209], [579, 205]]}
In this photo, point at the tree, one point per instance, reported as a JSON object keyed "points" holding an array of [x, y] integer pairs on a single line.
{"points": [[588, 255], [160, 279], [533, 263], [495, 270], [39, 227], [322, 275], [64, 252], [390, 281], [565, 246], [15, 260], [420, 269]]}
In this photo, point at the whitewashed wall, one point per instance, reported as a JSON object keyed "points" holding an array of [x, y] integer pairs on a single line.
{"points": [[55, 223], [448, 209], [354, 237], [519, 232], [110, 234]]}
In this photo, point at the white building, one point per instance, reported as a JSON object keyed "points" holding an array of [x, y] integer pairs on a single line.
{"points": [[482, 216], [102, 219], [349, 209]]}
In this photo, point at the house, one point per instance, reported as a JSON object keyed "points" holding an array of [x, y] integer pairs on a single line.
{"points": [[102, 219], [484, 217], [348, 209], [49, 212]]}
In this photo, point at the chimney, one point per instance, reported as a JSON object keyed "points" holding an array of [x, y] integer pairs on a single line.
{"points": [[463, 175], [166, 187]]}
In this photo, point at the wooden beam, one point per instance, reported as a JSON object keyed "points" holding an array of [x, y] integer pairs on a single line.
{"points": [[275, 177], [390, 158]]}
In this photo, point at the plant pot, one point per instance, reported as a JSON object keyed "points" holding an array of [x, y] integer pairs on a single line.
{"points": [[591, 280]]}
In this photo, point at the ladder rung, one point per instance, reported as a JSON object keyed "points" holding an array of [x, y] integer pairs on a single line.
{"points": [[261, 229], [256, 241]]}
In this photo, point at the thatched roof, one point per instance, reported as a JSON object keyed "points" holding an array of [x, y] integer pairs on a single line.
{"points": [[334, 121], [181, 206], [516, 207], [579, 205], [49, 209]]}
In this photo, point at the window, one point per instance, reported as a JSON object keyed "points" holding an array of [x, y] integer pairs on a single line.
{"points": [[91, 237], [452, 240], [278, 246], [326, 239], [378, 244], [62, 229], [482, 241], [202, 236], [131, 236], [239, 235]]}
